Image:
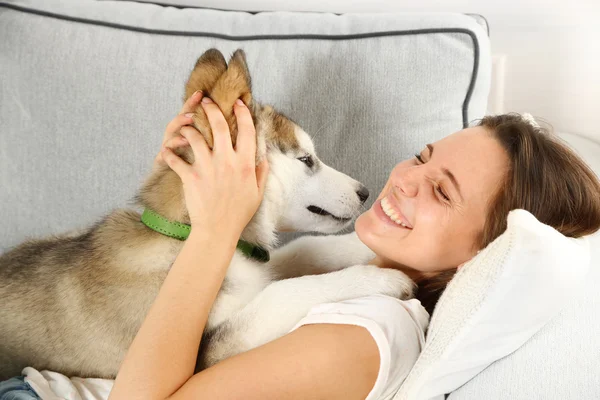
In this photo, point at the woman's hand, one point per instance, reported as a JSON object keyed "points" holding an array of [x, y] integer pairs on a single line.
{"points": [[172, 137], [223, 187]]}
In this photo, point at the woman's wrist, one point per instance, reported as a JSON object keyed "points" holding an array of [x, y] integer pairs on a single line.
{"points": [[214, 240]]}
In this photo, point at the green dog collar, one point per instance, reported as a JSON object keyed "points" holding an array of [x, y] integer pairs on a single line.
{"points": [[181, 231], [162, 225]]}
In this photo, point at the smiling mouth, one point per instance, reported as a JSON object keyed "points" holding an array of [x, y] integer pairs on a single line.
{"points": [[392, 214], [320, 211]]}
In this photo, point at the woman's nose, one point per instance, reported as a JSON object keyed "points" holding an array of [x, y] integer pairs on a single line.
{"points": [[408, 181]]}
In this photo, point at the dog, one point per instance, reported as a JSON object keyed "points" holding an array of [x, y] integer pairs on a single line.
{"points": [[73, 303]]}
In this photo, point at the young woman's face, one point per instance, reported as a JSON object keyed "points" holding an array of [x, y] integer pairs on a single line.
{"points": [[433, 207]]}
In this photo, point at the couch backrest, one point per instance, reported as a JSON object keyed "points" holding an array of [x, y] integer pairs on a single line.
{"points": [[87, 88]]}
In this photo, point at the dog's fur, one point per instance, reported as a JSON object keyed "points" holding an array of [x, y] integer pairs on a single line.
{"points": [[74, 303]]}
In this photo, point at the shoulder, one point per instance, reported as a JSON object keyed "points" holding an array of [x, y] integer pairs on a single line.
{"points": [[396, 326]]}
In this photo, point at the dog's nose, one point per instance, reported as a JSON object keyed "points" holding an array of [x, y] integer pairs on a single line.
{"points": [[363, 194]]}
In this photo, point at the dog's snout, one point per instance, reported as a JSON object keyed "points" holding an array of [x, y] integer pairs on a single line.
{"points": [[363, 194]]}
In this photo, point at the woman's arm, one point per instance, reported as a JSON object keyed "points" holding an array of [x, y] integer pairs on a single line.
{"points": [[222, 188], [321, 361], [163, 354]]}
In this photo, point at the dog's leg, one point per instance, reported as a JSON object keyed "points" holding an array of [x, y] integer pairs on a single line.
{"points": [[312, 255], [282, 304]]}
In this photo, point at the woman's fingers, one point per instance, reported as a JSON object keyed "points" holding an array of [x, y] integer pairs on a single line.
{"points": [[246, 138], [174, 162], [198, 143], [220, 129], [191, 103], [173, 143], [184, 118], [179, 133], [175, 125], [176, 142]]}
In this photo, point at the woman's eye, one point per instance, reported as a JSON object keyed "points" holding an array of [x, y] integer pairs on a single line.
{"points": [[307, 160], [438, 188], [440, 191]]}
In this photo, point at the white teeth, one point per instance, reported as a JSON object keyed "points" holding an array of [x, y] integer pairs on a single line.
{"points": [[387, 209]]}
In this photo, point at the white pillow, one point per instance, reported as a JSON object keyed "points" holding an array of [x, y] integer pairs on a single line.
{"points": [[495, 303]]}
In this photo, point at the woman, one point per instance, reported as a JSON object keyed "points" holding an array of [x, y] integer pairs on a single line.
{"points": [[435, 212]]}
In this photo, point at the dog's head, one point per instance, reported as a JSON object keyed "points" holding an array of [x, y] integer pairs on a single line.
{"points": [[302, 193]]}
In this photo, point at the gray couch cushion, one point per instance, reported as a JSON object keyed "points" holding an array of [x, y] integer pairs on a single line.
{"points": [[87, 88]]}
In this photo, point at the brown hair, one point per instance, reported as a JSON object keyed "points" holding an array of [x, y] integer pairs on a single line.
{"points": [[545, 177]]}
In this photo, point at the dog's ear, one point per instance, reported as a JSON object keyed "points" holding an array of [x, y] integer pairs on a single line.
{"points": [[232, 84], [207, 71], [235, 83]]}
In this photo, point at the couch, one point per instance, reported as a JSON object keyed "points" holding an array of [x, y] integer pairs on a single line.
{"points": [[86, 88]]}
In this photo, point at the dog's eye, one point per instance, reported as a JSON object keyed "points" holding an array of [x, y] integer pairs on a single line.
{"points": [[307, 160]]}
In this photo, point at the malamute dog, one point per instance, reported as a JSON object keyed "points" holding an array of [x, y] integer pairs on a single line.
{"points": [[73, 303]]}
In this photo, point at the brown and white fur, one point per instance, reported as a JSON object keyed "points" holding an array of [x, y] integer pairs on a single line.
{"points": [[74, 303]]}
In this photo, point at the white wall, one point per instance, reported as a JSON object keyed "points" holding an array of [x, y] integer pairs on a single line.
{"points": [[552, 62], [551, 48]]}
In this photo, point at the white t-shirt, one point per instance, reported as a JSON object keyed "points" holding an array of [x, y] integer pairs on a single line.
{"points": [[398, 328], [54, 386]]}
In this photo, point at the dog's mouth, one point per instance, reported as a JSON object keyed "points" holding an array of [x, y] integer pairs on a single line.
{"points": [[325, 213]]}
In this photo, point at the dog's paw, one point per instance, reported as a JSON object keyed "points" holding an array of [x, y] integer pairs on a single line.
{"points": [[369, 279]]}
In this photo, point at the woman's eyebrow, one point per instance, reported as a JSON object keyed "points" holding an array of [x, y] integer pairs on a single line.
{"points": [[447, 172]]}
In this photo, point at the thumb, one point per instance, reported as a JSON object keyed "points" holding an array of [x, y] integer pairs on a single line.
{"points": [[262, 172]]}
